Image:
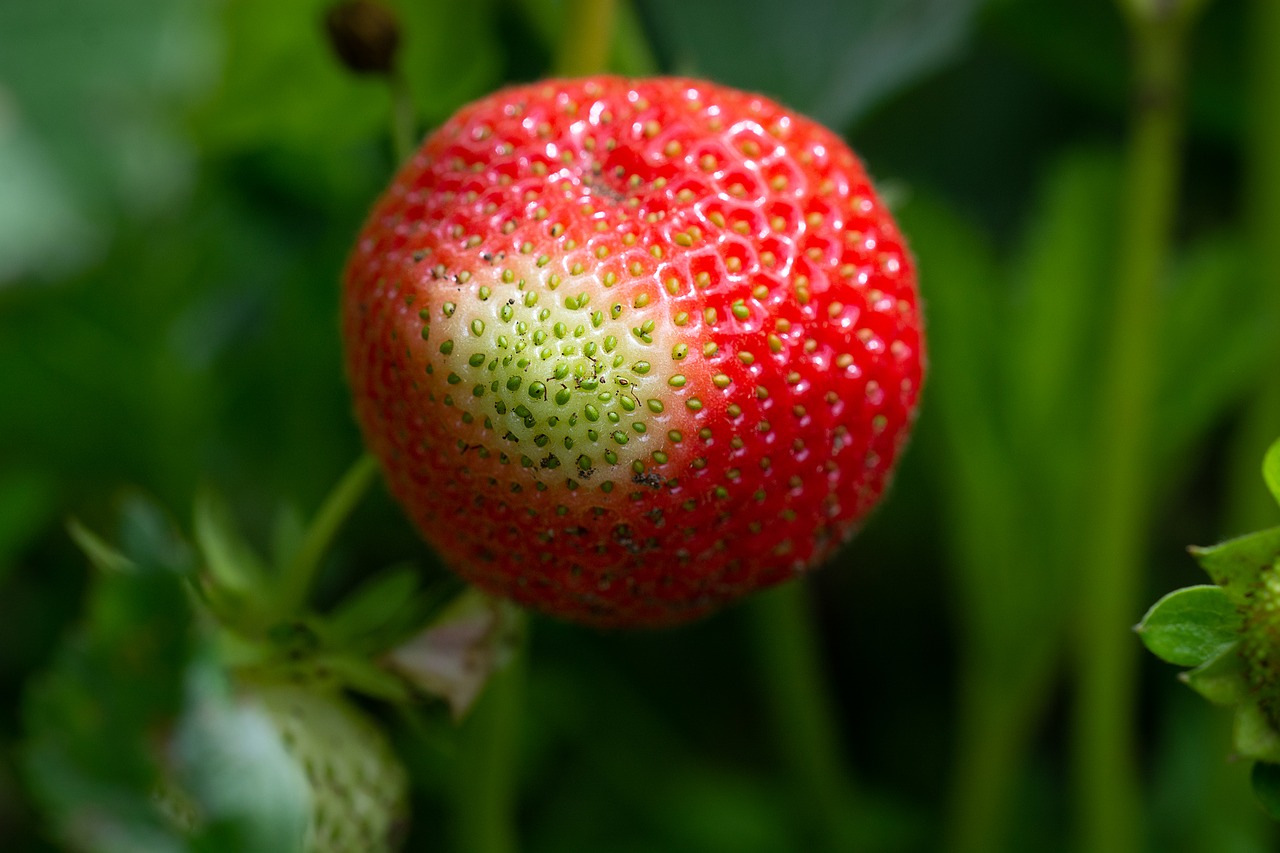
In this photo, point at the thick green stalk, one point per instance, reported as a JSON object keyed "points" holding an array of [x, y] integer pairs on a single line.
{"points": [[1251, 507], [1107, 793], [587, 38], [805, 726], [486, 776]]}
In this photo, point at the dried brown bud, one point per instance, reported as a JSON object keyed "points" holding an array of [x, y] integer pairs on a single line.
{"points": [[365, 35]]}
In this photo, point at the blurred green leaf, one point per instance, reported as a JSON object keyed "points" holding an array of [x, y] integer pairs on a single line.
{"points": [[1266, 787], [451, 53], [104, 557], [43, 227], [1191, 626], [124, 74], [230, 560], [835, 59], [371, 607], [1237, 564], [1211, 346], [1062, 275], [282, 86], [962, 284], [91, 718], [150, 539], [28, 500]]}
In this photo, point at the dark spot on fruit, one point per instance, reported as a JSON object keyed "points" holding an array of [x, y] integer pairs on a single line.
{"points": [[649, 479]]}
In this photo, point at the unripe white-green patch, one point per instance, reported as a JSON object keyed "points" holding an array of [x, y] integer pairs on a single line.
{"points": [[561, 388]]}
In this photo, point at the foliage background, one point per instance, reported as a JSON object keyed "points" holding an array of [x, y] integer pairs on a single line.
{"points": [[179, 182]]}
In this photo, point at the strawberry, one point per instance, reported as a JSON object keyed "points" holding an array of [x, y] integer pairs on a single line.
{"points": [[630, 349], [356, 789], [359, 789]]}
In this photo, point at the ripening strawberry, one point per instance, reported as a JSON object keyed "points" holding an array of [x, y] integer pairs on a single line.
{"points": [[631, 349]]}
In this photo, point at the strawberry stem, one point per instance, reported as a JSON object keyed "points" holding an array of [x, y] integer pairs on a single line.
{"points": [[587, 38], [299, 574], [801, 707], [489, 740], [1106, 785]]}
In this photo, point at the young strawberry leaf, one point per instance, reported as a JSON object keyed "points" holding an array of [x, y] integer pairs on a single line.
{"points": [[1191, 626]]}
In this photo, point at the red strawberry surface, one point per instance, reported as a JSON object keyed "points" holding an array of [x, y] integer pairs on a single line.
{"points": [[630, 349]]}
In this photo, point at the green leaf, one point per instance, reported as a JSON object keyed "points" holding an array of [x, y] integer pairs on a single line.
{"points": [[103, 556], [27, 502], [1237, 564], [363, 676], [1265, 777], [92, 718], [1222, 679], [1061, 277], [1191, 626], [230, 560], [854, 54], [372, 606], [1271, 470], [151, 540], [444, 77], [1212, 344], [287, 535]]}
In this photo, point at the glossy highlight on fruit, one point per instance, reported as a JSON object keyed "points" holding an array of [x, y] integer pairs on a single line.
{"points": [[630, 349]]}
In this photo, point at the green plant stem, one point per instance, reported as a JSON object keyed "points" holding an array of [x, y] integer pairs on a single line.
{"points": [[1107, 793], [791, 672], [1251, 506], [587, 38], [402, 117], [486, 775], [299, 575], [996, 718]]}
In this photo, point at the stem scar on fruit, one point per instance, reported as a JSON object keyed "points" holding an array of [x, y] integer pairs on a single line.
{"points": [[721, 316]]}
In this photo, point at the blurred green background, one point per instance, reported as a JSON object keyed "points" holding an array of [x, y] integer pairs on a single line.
{"points": [[180, 181]]}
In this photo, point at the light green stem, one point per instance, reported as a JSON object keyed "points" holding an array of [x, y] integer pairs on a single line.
{"points": [[489, 742], [1107, 792], [299, 575], [587, 38], [790, 671]]}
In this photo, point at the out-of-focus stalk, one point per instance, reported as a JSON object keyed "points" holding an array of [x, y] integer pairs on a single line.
{"points": [[1107, 794]]}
